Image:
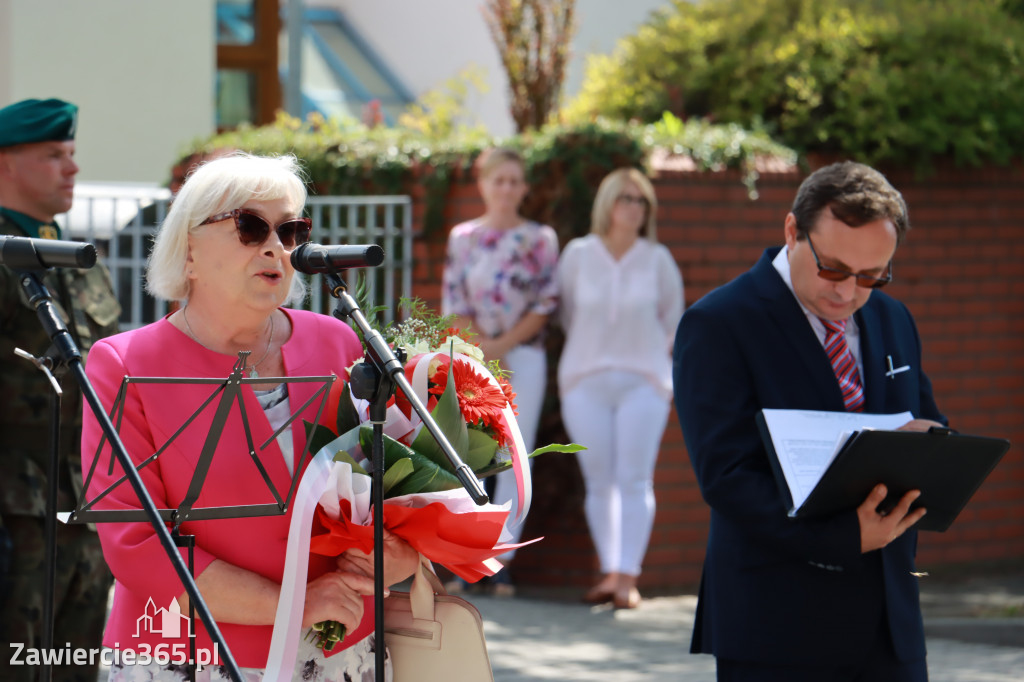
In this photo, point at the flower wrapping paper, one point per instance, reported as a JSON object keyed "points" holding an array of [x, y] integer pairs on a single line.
{"points": [[447, 527]]}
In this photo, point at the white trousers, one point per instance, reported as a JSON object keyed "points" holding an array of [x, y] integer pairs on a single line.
{"points": [[620, 417], [528, 367]]}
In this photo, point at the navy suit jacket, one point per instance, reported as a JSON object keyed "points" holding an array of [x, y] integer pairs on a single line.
{"points": [[775, 589]]}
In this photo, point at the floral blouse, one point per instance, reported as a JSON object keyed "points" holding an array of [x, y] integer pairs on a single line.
{"points": [[497, 276]]}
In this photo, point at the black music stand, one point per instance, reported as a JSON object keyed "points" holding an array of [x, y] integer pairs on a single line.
{"points": [[64, 355], [227, 392]]}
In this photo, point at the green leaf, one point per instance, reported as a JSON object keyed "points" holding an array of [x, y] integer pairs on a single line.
{"points": [[347, 417], [427, 476], [322, 436], [502, 466], [556, 447], [481, 449], [343, 456], [449, 419], [395, 473]]}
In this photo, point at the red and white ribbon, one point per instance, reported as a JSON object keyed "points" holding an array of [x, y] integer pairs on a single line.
{"points": [[517, 449], [284, 642]]}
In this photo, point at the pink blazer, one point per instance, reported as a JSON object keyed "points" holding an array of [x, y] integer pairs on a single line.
{"points": [[319, 346]]}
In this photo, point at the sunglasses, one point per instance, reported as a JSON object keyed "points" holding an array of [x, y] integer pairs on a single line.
{"points": [[253, 229], [837, 275], [632, 199]]}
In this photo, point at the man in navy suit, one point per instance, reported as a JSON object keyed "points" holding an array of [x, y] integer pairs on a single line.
{"points": [[834, 598]]}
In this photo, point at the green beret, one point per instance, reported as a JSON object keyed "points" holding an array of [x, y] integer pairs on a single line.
{"points": [[37, 120]]}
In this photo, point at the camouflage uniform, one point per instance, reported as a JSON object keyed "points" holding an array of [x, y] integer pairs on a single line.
{"points": [[82, 578]]}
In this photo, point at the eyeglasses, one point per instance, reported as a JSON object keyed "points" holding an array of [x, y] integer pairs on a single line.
{"points": [[253, 229], [837, 275], [632, 199]]}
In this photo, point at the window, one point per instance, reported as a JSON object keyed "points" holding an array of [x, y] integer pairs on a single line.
{"points": [[248, 87], [341, 73]]}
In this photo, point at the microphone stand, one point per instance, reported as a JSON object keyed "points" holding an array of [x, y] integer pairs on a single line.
{"points": [[69, 355], [376, 381], [50, 520]]}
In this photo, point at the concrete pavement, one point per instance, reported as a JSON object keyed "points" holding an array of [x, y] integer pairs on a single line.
{"points": [[974, 627], [975, 633]]}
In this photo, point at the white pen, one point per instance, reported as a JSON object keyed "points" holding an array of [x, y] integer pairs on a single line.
{"points": [[893, 372]]}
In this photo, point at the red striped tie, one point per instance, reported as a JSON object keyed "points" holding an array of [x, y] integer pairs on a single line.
{"points": [[843, 364]]}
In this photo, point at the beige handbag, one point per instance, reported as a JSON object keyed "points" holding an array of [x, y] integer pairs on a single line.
{"points": [[434, 638]]}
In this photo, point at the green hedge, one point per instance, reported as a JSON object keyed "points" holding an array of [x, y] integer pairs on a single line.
{"points": [[896, 81], [565, 164]]}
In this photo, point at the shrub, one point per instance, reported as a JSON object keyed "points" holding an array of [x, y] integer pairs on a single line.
{"points": [[564, 164], [532, 37], [900, 81]]}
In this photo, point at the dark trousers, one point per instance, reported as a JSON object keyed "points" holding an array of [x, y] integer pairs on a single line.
{"points": [[877, 665], [80, 597]]}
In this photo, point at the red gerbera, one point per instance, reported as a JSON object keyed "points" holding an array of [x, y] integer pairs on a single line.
{"points": [[479, 401], [510, 395]]}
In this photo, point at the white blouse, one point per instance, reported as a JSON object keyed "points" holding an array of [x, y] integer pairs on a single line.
{"points": [[618, 314]]}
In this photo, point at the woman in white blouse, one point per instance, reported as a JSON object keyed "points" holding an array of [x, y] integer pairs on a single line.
{"points": [[621, 299]]}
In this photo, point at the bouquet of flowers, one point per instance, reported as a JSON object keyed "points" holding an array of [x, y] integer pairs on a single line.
{"points": [[425, 504]]}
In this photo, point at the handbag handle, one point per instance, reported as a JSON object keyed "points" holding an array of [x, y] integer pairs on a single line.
{"points": [[424, 586]]}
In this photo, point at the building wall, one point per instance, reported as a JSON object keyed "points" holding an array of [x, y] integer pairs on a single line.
{"points": [[431, 43], [458, 38], [142, 74], [5, 51], [961, 273]]}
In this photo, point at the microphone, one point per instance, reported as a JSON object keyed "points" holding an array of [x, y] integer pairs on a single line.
{"points": [[26, 253], [313, 258]]}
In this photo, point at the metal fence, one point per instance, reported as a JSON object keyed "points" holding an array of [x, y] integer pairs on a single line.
{"points": [[121, 221]]}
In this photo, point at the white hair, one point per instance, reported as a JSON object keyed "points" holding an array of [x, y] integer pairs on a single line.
{"points": [[218, 186]]}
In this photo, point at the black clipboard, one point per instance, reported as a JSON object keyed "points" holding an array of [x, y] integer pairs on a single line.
{"points": [[945, 466]]}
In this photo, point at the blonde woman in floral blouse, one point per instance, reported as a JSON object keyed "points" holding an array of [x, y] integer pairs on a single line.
{"points": [[499, 281]]}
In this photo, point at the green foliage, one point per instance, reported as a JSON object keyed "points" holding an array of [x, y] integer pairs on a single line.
{"points": [[345, 157], [1014, 8], [717, 147], [442, 113], [900, 81], [565, 163]]}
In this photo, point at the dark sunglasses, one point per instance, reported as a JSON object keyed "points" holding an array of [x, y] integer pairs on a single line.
{"points": [[837, 275], [253, 229]]}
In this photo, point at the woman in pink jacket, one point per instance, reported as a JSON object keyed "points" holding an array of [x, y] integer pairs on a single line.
{"points": [[224, 252]]}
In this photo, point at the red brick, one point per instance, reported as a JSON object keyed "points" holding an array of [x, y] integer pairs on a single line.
{"points": [[967, 295]]}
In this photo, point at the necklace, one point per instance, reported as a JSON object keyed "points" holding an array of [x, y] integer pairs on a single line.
{"points": [[253, 374]]}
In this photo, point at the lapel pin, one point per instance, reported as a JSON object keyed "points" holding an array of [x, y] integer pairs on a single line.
{"points": [[894, 371]]}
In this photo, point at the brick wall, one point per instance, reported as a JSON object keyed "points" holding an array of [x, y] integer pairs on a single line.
{"points": [[961, 273]]}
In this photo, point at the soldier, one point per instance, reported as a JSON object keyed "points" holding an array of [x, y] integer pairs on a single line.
{"points": [[37, 176]]}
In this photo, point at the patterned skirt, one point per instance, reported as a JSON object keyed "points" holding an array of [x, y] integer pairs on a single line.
{"points": [[354, 664]]}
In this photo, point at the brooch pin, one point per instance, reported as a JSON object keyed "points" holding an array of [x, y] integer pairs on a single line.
{"points": [[894, 371]]}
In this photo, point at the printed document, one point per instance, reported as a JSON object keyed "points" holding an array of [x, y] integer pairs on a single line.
{"points": [[806, 442]]}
